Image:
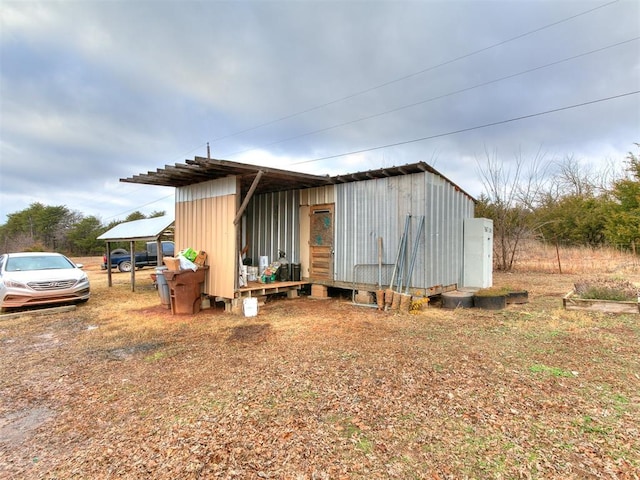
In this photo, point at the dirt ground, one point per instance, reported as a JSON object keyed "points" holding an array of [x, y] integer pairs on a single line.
{"points": [[320, 389]]}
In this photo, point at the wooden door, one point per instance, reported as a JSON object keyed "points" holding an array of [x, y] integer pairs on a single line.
{"points": [[321, 242]]}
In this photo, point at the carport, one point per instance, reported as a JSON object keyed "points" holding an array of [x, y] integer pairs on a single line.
{"points": [[144, 230]]}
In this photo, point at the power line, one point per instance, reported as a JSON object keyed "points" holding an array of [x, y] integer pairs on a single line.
{"points": [[431, 137], [140, 206], [439, 97], [410, 75], [414, 74], [477, 127]]}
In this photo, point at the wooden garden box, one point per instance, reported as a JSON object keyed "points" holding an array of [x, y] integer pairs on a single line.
{"points": [[572, 302]]}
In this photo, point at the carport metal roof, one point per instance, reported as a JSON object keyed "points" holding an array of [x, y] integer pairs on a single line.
{"points": [[146, 229]]}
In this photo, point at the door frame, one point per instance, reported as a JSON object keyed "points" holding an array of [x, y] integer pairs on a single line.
{"points": [[321, 256]]}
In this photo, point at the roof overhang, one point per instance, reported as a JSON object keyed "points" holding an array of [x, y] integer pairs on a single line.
{"points": [[202, 169]]}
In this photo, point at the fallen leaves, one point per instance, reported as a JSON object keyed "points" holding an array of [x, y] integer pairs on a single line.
{"points": [[349, 394]]}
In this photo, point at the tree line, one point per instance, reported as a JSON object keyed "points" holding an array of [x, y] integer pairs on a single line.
{"points": [[560, 202], [554, 201], [57, 228]]}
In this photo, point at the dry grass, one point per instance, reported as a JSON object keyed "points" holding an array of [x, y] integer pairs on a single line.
{"points": [[544, 258], [120, 388]]}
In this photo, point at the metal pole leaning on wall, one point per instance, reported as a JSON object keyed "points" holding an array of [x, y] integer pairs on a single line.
{"points": [[389, 298], [403, 255], [380, 291], [414, 254]]}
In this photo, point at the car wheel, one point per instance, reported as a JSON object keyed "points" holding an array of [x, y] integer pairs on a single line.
{"points": [[125, 266], [119, 251]]}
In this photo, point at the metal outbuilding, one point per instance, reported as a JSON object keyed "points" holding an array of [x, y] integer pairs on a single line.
{"points": [[344, 231], [146, 230]]}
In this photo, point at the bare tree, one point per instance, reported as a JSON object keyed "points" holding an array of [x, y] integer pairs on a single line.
{"points": [[512, 192], [575, 178]]}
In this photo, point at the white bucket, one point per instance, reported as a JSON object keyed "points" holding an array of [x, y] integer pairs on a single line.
{"points": [[250, 306]]}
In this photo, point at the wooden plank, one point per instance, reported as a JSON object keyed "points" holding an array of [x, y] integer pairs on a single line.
{"points": [[257, 286], [571, 302], [247, 198], [321, 262]]}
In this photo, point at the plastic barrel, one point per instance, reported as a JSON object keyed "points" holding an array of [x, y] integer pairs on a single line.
{"points": [[163, 287]]}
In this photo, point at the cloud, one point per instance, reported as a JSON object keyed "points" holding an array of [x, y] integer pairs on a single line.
{"points": [[91, 92]]}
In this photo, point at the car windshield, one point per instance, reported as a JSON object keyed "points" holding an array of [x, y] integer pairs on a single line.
{"points": [[40, 262]]}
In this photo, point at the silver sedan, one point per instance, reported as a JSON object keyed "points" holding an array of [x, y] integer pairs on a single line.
{"points": [[39, 278]]}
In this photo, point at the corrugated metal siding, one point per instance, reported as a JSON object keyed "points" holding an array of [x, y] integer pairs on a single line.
{"points": [[364, 211], [209, 189], [273, 224], [207, 224], [370, 209], [318, 196]]}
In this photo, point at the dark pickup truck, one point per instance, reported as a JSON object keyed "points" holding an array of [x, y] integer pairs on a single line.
{"points": [[121, 259]]}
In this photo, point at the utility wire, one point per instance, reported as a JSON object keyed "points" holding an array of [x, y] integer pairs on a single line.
{"points": [[414, 74], [477, 127], [405, 77], [140, 206], [439, 97], [421, 139]]}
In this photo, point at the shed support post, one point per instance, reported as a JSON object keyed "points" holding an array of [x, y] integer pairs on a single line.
{"points": [[245, 202], [236, 221]]}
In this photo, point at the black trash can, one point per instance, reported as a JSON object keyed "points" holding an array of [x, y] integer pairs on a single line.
{"points": [[283, 272], [295, 272]]}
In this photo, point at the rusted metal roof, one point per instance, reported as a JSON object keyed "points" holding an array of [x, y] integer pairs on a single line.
{"points": [[202, 169], [393, 172]]}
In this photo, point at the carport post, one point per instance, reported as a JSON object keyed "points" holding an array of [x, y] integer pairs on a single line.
{"points": [[109, 282], [132, 248]]}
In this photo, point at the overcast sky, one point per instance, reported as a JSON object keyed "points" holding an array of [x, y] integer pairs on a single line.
{"points": [[95, 91]]}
